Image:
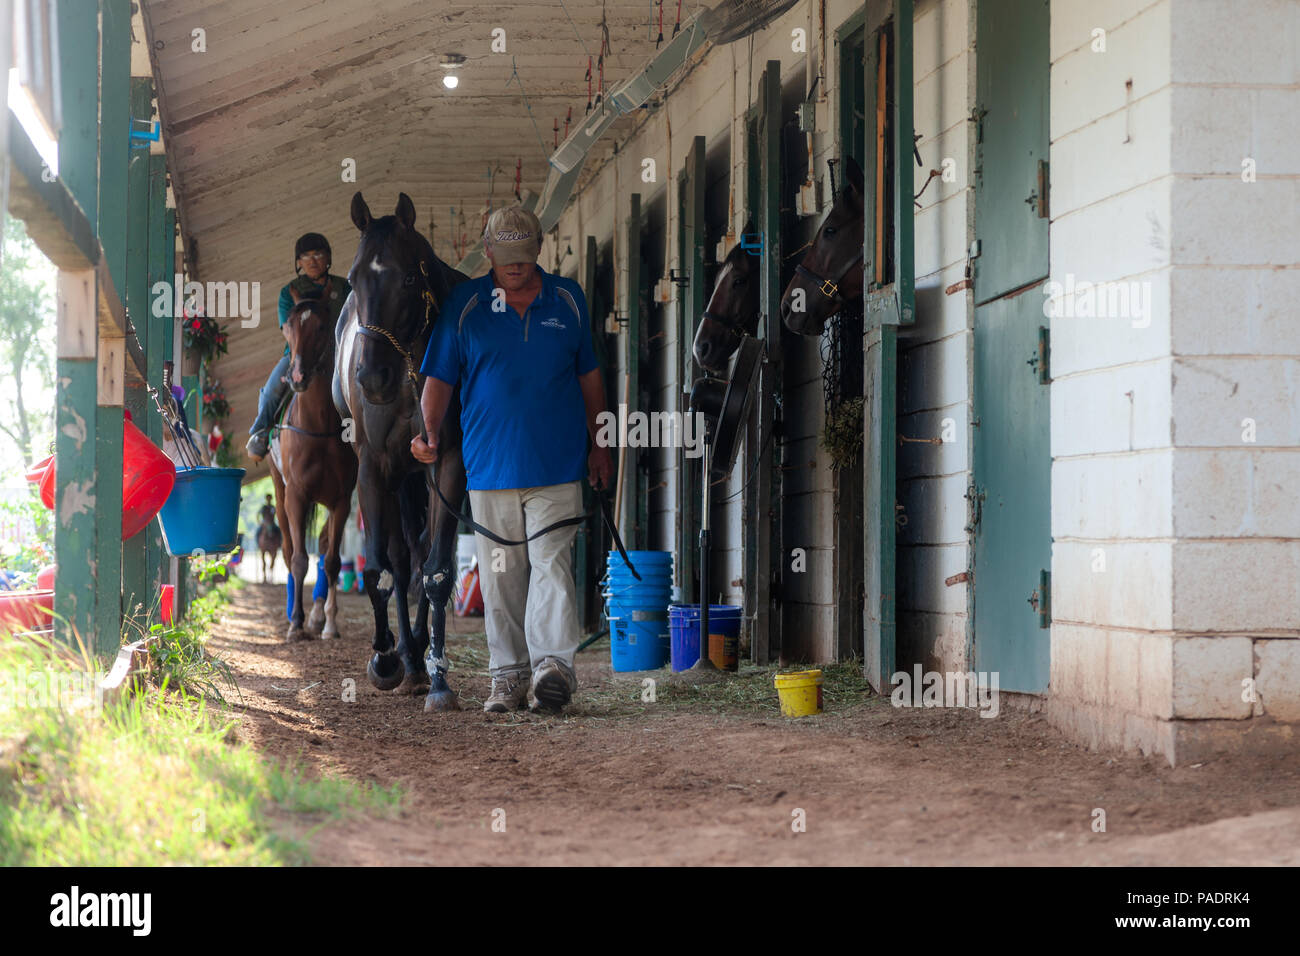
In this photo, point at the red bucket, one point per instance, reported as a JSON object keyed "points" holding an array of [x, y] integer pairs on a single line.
{"points": [[26, 611], [147, 479]]}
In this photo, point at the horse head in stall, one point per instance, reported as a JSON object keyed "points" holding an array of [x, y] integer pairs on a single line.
{"points": [[830, 276], [732, 311], [310, 462], [398, 284]]}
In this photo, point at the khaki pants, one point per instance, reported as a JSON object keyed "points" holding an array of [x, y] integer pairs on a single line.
{"points": [[529, 604]]}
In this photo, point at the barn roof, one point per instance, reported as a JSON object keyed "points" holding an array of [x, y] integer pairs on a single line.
{"points": [[259, 125]]}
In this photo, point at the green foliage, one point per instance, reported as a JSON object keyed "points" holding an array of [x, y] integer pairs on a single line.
{"points": [[37, 522], [27, 320], [178, 657]]}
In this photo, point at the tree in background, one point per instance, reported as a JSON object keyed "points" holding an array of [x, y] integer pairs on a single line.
{"points": [[27, 318]]}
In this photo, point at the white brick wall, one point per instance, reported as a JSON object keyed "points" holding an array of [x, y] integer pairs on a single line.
{"points": [[1197, 522]]}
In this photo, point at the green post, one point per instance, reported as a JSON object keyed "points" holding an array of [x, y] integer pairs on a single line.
{"points": [[135, 567], [77, 488], [158, 349]]}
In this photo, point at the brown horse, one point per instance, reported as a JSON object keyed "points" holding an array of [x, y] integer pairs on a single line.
{"points": [[310, 461], [829, 279], [269, 541], [733, 307]]}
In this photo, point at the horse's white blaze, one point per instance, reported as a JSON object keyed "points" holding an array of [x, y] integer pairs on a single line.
{"points": [[377, 266]]}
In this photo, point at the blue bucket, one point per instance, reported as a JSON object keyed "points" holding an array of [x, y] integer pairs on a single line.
{"points": [[202, 511], [684, 625], [638, 610]]}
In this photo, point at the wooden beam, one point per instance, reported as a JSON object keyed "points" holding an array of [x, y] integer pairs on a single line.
{"points": [[76, 585]]}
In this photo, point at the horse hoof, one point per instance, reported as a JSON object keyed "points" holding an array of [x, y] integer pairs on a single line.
{"points": [[441, 700], [297, 634], [316, 620], [329, 634], [414, 684], [386, 671]]}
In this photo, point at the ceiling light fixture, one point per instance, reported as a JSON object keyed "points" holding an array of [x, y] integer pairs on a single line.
{"points": [[450, 62]]}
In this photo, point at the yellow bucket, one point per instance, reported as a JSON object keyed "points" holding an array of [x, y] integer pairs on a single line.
{"points": [[800, 693]]}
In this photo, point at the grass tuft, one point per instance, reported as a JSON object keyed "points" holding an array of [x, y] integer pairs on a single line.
{"points": [[144, 779]]}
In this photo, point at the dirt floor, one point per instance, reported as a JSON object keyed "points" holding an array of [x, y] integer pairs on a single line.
{"points": [[711, 773]]}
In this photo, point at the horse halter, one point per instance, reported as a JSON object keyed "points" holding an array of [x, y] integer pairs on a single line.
{"points": [[830, 287], [430, 303]]}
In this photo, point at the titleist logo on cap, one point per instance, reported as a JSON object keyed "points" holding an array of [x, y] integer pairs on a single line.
{"points": [[513, 236]]}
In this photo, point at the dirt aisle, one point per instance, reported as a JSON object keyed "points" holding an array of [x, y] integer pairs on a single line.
{"points": [[714, 774]]}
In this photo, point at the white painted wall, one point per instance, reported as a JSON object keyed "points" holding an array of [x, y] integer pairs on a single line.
{"points": [[934, 356]]}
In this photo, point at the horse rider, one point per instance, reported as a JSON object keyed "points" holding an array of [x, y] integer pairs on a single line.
{"points": [[311, 265], [266, 515], [518, 343]]}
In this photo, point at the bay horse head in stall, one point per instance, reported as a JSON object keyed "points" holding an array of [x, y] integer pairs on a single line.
{"points": [[732, 311], [397, 284], [310, 462], [829, 278]]}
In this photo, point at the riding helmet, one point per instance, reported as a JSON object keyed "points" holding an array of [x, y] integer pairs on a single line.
{"points": [[308, 242]]}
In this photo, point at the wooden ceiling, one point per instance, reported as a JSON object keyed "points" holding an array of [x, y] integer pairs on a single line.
{"points": [[258, 127]]}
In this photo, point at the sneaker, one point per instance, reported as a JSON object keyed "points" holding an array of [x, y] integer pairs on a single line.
{"points": [[553, 685], [509, 692], [257, 447]]}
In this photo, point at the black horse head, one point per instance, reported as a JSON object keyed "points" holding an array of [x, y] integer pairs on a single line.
{"points": [[733, 307], [310, 335], [397, 285], [829, 279]]}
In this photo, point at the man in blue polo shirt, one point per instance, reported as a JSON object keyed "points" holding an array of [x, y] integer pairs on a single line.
{"points": [[518, 343]]}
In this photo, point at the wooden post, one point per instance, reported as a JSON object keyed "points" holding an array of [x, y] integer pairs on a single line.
{"points": [[135, 570], [75, 419], [767, 638], [158, 350], [638, 523]]}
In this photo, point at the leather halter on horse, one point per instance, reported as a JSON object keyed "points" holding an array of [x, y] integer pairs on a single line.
{"points": [[830, 287], [374, 331]]}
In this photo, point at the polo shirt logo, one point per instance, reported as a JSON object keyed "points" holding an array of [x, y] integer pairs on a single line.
{"points": [[553, 323]]}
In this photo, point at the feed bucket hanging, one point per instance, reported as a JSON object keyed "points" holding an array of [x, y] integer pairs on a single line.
{"points": [[147, 479], [202, 512]]}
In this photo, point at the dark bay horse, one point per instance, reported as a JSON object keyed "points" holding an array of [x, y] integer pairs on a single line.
{"points": [[398, 284], [310, 462], [733, 307], [829, 279]]}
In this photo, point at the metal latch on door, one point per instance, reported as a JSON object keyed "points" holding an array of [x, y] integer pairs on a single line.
{"points": [[1038, 198]]}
